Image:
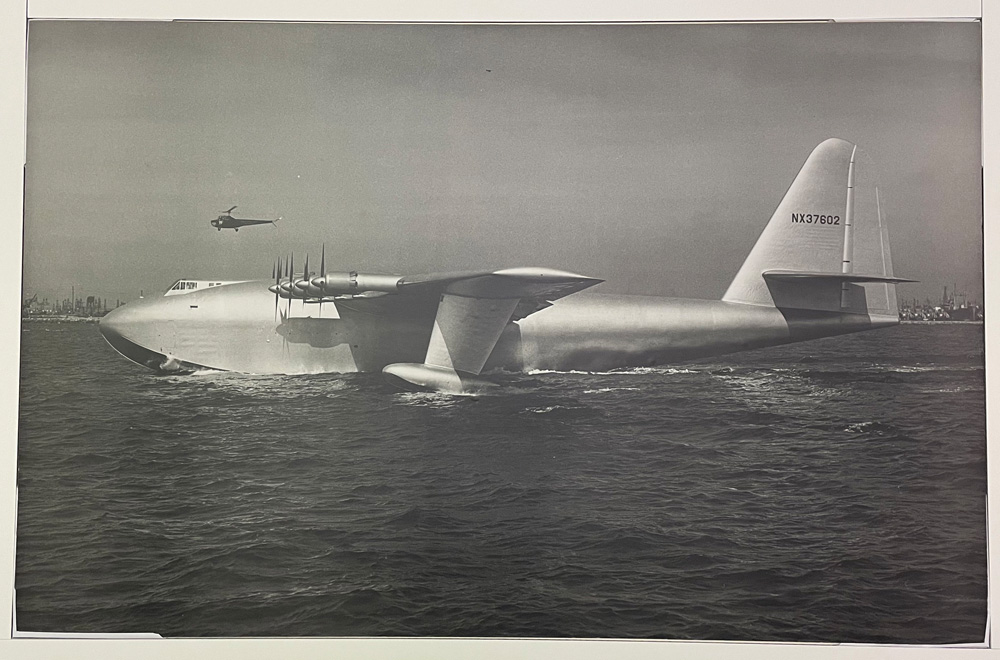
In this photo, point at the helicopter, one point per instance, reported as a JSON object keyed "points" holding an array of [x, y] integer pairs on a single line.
{"points": [[227, 221]]}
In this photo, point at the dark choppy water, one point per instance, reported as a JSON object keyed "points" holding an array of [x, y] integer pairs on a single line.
{"points": [[827, 491]]}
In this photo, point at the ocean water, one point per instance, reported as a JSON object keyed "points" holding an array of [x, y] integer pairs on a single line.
{"points": [[827, 491]]}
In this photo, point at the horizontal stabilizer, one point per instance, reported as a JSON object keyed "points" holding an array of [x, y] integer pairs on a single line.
{"points": [[838, 277]]}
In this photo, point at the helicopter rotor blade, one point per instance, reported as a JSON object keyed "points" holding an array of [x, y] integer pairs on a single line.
{"points": [[231, 209]]}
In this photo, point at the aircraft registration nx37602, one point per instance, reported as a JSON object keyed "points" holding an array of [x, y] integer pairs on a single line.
{"points": [[820, 268]]}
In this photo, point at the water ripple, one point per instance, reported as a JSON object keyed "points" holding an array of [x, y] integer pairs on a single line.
{"points": [[828, 491]]}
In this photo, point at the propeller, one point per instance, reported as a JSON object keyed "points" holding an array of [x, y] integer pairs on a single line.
{"points": [[230, 210], [291, 285], [277, 274]]}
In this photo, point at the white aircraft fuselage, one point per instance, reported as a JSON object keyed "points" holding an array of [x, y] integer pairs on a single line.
{"points": [[233, 328]]}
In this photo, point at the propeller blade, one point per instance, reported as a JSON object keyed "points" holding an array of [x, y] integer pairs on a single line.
{"points": [[305, 280], [277, 281], [291, 277], [322, 273], [284, 335]]}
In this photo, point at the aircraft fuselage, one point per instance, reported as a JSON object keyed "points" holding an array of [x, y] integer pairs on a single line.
{"points": [[228, 222], [239, 328]]}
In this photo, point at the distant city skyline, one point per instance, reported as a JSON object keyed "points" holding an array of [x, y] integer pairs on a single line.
{"points": [[650, 156]]}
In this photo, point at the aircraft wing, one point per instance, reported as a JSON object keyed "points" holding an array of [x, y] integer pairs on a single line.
{"points": [[510, 283], [473, 309], [534, 288]]}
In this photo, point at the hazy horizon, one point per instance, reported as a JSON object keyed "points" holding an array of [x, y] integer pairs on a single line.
{"points": [[650, 156]]}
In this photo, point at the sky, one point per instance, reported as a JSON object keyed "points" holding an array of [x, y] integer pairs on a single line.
{"points": [[651, 156]]}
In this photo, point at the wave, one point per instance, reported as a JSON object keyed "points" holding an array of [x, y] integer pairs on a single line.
{"points": [[635, 371], [918, 368], [602, 390]]}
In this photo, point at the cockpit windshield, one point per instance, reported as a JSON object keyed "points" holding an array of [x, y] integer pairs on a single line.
{"points": [[181, 287]]}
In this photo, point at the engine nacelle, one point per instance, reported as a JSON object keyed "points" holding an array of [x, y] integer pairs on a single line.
{"points": [[338, 284]]}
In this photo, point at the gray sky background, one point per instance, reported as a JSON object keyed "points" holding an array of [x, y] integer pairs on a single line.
{"points": [[651, 156]]}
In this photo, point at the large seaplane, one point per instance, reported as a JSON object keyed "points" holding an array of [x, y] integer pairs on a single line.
{"points": [[821, 267]]}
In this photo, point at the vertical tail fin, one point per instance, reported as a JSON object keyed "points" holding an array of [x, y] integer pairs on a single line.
{"points": [[825, 247]]}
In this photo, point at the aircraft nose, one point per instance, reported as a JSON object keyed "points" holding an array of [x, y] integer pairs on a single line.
{"points": [[126, 327], [114, 324], [107, 323]]}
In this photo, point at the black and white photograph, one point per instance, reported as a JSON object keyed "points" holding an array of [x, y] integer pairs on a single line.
{"points": [[600, 331]]}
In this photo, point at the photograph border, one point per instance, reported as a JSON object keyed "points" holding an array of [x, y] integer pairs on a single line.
{"points": [[12, 114]]}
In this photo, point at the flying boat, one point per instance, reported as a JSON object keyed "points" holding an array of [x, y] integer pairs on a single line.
{"points": [[821, 267]]}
